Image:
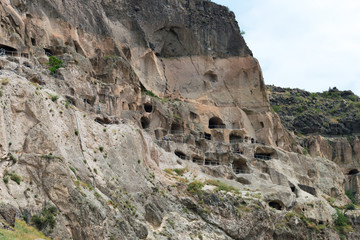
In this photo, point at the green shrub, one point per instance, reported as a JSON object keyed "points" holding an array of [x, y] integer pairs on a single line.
{"points": [[72, 169], [54, 64], [67, 104], [313, 95], [53, 97], [101, 148], [350, 195], [306, 151], [12, 158], [77, 132], [353, 98], [16, 178], [300, 109], [46, 218], [49, 156], [276, 108], [350, 206], [6, 180], [357, 104], [341, 223], [195, 186]]}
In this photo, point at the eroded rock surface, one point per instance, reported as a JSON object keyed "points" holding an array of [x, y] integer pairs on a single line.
{"points": [[156, 126]]}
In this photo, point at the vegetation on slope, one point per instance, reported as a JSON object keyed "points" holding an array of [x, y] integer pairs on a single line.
{"points": [[21, 231], [331, 112]]}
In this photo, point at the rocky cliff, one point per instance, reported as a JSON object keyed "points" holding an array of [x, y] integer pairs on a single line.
{"points": [[327, 125], [153, 122]]}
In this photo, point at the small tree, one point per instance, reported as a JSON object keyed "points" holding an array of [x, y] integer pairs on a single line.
{"points": [[54, 64]]}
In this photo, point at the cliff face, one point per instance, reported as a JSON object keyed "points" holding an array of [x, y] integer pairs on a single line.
{"points": [[327, 125], [154, 102]]}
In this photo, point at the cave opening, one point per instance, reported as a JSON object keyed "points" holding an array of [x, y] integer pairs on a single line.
{"points": [[180, 154], [148, 107], [353, 172], [276, 204], [48, 52], [239, 167], [207, 136], [198, 160], [235, 138], [176, 128], [210, 162], [216, 122], [8, 48], [262, 156], [145, 122]]}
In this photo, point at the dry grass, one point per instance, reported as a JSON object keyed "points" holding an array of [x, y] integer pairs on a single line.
{"points": [[22, 231]]}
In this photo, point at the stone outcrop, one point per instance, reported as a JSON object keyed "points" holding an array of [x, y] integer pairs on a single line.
{"points": [[155, 126]]}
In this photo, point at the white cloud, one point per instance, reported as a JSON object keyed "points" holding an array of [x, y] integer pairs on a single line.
{"points": [[308, 44]]}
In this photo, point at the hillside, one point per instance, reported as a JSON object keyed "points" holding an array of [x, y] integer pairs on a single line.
{"points": [[331, 113]]}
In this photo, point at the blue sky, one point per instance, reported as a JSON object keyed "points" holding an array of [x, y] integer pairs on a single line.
{"points": [[306, 44]]}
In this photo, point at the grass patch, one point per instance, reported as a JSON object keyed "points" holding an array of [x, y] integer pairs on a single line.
{"points": [[150, 93], [357, 105], [276, 108], [13, 176], [242, 209], [169, 171], [220, 186], [5, 81], [22, 231], [309, 223], [179, 171], [195, 186], [153, 95], [341, 223], [53, 97]]}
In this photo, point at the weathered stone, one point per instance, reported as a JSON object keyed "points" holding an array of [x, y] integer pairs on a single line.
{"points": [[8, 213]]}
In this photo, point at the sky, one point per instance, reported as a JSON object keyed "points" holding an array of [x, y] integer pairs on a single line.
{"points": [[306, 44]]}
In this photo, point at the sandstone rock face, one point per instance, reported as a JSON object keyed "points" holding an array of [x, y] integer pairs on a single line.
{"points": [[8, 213], [143, 105]]}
